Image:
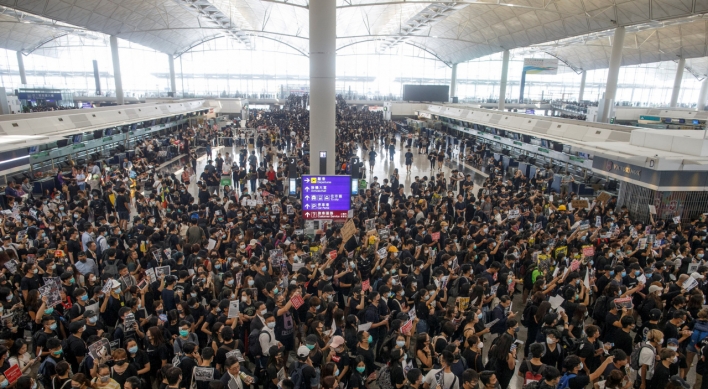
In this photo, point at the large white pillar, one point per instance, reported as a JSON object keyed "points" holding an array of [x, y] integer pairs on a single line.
{"points": [[613, 73], [453, 82], [173, 81], [677, 82], [21, 65], [502, 84], [323, 35], [582, 85], [702, 95], [116, 70]]}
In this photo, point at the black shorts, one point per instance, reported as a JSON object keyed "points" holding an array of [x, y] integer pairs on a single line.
{"points": [[123, 215]]}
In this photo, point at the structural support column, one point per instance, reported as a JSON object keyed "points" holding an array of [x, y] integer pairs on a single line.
{"points": [[21, 65], [613, 73], [323, 34], [702, 95], [116, 70], [502, 84], [582, 86], [677, 82], [173, 81], [453, 82]]}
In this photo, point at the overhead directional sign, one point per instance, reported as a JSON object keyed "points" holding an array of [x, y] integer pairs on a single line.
{"points": [[326, 197]]}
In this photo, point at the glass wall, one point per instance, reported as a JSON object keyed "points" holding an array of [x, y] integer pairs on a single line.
{"points": [[221, 67]]}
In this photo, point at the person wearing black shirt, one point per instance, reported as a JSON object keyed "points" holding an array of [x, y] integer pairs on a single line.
{"points": [[30, 281], [588, 354], [672, 329], [662, 373], [74, 347], [622, 339], [573, 365], [123, 208], [398, 377]]}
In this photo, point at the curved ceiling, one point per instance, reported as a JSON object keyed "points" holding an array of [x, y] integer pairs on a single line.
{"points": [[455, 31]]}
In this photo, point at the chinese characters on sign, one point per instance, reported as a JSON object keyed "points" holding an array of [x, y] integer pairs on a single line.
{"points": [[326, 197]]}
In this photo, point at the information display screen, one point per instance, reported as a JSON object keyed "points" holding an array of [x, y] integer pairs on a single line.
{"points": [[326, 197]]}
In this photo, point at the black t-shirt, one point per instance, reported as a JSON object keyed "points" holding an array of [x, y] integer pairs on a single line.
{"points": [[397, 376], [578, 382], [29, 283], [75, 347], [587, 351], [623, 341], [120, 203], [661, 376], [474, 360], [670, 331]]}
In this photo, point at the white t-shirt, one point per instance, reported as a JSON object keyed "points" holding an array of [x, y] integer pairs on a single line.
{"points": [[646, 357], [447, 380]]}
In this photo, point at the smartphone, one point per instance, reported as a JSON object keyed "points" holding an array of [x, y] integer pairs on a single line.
{"points": [[513, 347]]}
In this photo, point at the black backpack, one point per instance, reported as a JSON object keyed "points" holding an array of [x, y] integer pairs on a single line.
{"points": [[526, 315], [600, 310], [254, 343], [296, 375]]}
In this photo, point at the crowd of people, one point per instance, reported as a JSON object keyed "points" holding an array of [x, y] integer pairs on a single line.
{"points": [[141, 281]]}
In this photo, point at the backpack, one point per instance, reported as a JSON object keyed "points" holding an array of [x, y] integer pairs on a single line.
{"points": [[383, 378], [296, 375], [526, 315], [700, 331], [565, 381], [530, 376], [455, 289], [254, 343], [44, 376], [634, 358], [600, 310], [99, 251]]}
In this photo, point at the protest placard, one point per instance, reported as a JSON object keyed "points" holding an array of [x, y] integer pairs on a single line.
{"points": [[407, 327], [365, 286], [290, 210], [513, 213], [162, 271], [463, 303], [233, 308], [13, 373], [100, 351], [203, 373], [297, 301], [588, 251], [690, 283], [370, 224], [435, 236], [384, 233], [151, 275], [579, 204], [51, 292], [693, 267], [348, 230], [624, 302]]}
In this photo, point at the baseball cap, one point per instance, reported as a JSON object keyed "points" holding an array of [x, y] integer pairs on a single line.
{"points": [[303, 351], [336, 342], [654, 288], [655, 314], [697, 276], [75, 326], [672, 341], [253, 242]]}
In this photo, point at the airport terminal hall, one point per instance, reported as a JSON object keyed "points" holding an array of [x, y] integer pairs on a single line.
{"points": [[353, 194]]}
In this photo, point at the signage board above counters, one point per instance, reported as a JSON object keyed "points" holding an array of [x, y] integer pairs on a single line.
{"points": [[555, 155], [682, 180]]}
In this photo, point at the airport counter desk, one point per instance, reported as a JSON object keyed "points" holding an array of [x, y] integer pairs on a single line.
{"points": [[664, 168]]}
